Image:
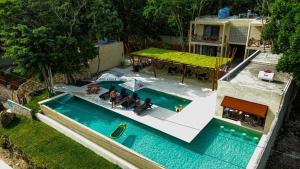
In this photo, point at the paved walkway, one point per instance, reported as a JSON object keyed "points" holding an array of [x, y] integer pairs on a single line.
{"points": [[184, 125], [3, 165]]}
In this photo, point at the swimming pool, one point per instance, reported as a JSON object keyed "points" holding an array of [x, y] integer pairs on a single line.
{"points": [[219, 144], [158, 98]]}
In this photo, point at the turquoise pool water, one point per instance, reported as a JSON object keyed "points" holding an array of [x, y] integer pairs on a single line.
{"points": [[160, 99], [219, 145]]}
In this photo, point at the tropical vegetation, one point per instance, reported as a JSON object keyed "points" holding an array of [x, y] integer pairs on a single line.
{"points": [[284, 30], [53, 36]]}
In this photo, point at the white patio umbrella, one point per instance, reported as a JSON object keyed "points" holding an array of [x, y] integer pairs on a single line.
{"points": [[108, 77], [133, 85]]}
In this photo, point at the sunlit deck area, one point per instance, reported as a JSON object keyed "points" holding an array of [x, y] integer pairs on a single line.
{"points": [[184, 125]]}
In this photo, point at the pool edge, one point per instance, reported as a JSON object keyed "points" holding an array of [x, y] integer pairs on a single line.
{"points": [[116, 148]]}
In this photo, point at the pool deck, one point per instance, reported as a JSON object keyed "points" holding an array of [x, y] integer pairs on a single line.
{"points": [[184, 125]]}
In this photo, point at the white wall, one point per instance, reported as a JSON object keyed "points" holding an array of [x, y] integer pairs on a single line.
{"points": [[111, 55]]}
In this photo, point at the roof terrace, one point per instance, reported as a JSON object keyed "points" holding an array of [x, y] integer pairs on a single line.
{"points": [[246, 74]]}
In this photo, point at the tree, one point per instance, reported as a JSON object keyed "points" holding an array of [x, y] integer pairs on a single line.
{"points": [[53, 36], [178, 13], [284, 30]]}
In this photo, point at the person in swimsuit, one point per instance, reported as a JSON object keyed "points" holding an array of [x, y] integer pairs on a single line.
{"points": [[113, 98]]}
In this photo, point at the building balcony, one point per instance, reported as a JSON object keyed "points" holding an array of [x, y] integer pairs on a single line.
{"points": [[256, 43], [207, 39]]}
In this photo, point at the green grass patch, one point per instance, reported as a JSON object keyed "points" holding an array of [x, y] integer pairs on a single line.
{"points": [[182, 57], [47, 148], [36, 98]]}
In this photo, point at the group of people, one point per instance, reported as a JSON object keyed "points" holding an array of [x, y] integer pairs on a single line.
{"points": [[125, 100], [93, 89]]}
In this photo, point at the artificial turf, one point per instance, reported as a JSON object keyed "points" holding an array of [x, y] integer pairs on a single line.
{"points": [[182, 57]]}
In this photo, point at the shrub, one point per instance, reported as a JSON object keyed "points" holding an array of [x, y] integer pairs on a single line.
{"points": [[6, 119]]}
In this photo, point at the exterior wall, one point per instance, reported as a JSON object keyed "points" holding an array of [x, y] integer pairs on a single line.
{"points": [[227, 30], [272, 100], [255, 32], [269, 139], [116, 148], [111, 55], [240, 22], [199, 29], [19, 109]]}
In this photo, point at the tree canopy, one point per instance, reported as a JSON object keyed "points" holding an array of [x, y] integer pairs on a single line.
{"points": [[284, 30], [178, 13], [53, 36]]}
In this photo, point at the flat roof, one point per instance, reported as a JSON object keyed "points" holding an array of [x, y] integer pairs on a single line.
{"points": [[213, 19], [248, 76], [181, 57]]}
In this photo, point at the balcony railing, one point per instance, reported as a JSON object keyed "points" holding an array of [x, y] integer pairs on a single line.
{"points": [[259, 43], [207, 39]]}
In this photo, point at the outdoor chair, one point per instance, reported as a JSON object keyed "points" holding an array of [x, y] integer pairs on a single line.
{"points": [[146, 105], [131, 102]]}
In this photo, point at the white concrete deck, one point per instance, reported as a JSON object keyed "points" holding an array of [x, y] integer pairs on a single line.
{"points": [[4, 165], [184, 125]]}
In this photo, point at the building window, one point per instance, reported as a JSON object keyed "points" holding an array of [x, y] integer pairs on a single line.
{"points": [[211, 33]]}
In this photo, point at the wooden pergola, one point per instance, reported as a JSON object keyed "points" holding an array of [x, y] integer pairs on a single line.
{"points": [[185, 59]]}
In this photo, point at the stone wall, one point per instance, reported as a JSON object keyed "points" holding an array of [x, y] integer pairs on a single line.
{"points": [[284, 109], [28, 87], [7, 93]]}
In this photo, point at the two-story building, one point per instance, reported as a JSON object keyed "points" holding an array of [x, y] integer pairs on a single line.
{"points": [[231, 36]]}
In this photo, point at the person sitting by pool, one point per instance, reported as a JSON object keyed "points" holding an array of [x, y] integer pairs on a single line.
{"points": [[113, 98], [132, 101], [140, 109], [122, 96], [106, 95]]}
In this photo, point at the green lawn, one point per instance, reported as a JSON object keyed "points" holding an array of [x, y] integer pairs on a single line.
{"points": [[47, 148], [181, 57]]}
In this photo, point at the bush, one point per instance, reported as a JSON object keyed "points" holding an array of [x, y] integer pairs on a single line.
{"points": [[1, 106], [6, 119]]}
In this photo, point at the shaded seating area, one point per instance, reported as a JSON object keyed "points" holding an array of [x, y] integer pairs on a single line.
{"points": [[202, 66], [249, 113]]}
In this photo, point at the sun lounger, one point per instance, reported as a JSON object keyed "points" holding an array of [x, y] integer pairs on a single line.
{"points": [[146, 105], [131, 102]]}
